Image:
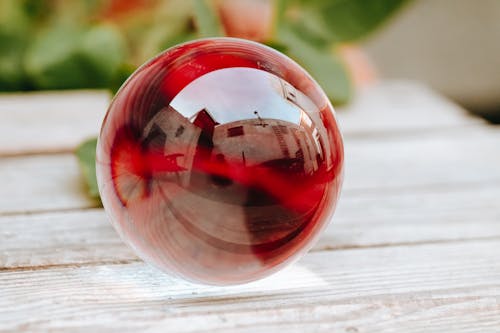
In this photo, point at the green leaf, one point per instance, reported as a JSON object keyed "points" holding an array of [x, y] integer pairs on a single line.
{"points": [[36, 10], [325, 67], [277, 46], [206, 18], [86, 157], [349, 20], [69, 57], [15, 32], [352, 20], [308, 25], [179, 38], [163, 36], [103, 50], [122, 74], [12, 76], [53, 62]]}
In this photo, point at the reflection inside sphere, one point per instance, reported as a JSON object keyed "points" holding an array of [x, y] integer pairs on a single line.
{"points": [[234, 176]]}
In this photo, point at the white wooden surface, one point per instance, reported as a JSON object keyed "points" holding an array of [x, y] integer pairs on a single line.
{"points": [[50, 121], [413, 247]]}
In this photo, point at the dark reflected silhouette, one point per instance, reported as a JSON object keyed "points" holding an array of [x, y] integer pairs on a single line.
{"points": [[271, 170], [229, 191]]}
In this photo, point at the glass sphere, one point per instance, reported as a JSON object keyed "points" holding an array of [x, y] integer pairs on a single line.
{"points": [[220, 161]]}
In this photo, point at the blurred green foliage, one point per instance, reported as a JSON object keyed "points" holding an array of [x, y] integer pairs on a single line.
{"points": [[60, 44], [86, 153], [78, 58]]}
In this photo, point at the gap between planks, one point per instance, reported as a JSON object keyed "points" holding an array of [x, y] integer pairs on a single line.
{"points": [[85, 237], [366, 288], [388, 165], [378, 135], [313, 250], [58, 121]]}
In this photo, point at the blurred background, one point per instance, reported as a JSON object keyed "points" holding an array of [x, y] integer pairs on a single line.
{"points": [[451, 45]]}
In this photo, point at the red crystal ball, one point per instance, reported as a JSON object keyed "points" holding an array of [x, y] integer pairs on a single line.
{"points": [[220, 161]]}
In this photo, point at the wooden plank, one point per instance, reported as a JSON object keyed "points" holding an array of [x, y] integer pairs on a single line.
{"points": [[413, 217], [407, 288], [423, 159], [60, 238], [403, 163], [59, 121], [42, 182], [49, 121], [416, 239], [369, 220], [398, 106]]}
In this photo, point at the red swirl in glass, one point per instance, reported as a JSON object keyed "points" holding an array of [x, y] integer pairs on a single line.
{"points": [[220, 160]]}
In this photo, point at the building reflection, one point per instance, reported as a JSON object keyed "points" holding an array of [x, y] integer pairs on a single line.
{"points": [[239, 190], [247, 143]]}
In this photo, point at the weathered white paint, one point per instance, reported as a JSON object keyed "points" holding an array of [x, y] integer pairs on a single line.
{"points": [[454, 286], [49, 121], [413, 247]]}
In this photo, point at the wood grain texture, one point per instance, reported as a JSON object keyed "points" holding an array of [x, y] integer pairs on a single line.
{"points": [[414, 245], [413, 217], [42, 122], [400, 288], [421, 160], [49, 121], [41, 182], [60, 238], [402, 163], [86, 236], [399, 107]]}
